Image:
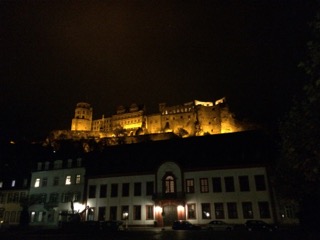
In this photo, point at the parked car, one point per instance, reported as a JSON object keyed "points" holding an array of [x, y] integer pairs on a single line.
{"points": [[258, 225], [219, 225], [111, 225], [184, 225]]}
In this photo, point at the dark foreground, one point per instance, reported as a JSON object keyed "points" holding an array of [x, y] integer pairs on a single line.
{"points": [[155, 234]]}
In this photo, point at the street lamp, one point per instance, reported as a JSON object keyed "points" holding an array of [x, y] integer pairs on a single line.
{"points": [[126, 214]]}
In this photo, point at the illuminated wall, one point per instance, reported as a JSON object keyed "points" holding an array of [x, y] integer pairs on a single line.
{"points": [[195, 118], [82, 117]]}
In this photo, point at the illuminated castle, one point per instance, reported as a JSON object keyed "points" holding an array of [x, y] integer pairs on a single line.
{"points": [[195, 118]]}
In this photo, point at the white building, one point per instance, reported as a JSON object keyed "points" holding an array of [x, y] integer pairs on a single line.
{"points": [[233, 194], [53, 186], [198, 179]]}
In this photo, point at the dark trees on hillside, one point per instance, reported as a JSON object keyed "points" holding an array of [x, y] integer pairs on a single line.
{"points": [[299, 165]]}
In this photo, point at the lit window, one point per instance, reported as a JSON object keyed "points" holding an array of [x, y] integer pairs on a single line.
{"points": [[1, 184], [169, 185], [37, 182], [13, 183], [190, 185], [68, 180], [204, 185], [191, 211], [149, 212], [78, 179]]}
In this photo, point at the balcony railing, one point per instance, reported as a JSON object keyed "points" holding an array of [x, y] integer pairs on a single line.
{"points": [[169, 196]]}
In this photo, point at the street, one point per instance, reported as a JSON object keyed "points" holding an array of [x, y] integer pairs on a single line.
{"points": [[157, 234]]}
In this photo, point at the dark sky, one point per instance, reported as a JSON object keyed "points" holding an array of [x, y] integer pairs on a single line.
{"points": [[57, 53]]}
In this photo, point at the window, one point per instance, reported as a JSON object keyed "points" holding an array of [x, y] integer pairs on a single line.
{"points": [[76, 196], [92, 191], [78, 179], [204, 185], [191, 214], [149, 212], [44, 182], [113, 213], [260, 182], [79, 160], [23, 195], [56, 181], [149, 190], [101, 213], [289, 211], [43, 198], [114, 190], [68, 180], [190, 185], [137, 189], [53, 197], [15, 197], [125, 189], [124, 212], [69, 164], [264, 209], [1, 184], [2, 197], [244, 183], [232, 210], [169, 184], [13, 216], [66, 197], [216, 184], [103, 191], [137, 212], [247, 210], [206, 211], [219, 210], [91, 213], [37, 183], [13, 183], [10, 198], [229, 184]]}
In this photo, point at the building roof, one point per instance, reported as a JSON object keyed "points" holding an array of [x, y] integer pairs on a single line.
{"points": [[249, 148]]}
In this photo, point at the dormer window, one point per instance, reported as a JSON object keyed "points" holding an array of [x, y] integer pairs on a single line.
{"points": [[39, 166]]}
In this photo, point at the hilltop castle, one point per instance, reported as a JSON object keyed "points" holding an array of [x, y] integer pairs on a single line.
{"points": [[195, 118]]}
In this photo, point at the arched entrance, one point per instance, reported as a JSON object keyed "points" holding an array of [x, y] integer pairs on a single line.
{"points": [[169, 214]]}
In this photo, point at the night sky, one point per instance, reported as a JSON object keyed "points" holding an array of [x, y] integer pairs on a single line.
{"points": [[109, 53]]}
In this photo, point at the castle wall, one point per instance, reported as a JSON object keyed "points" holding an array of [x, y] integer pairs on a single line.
{"points": [[194, 118]]}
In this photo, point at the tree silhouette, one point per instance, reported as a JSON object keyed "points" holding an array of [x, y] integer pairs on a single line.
{"points": [[299, 165]]}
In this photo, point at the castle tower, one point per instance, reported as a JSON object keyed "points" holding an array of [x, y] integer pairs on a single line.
{"points": [[82, 120]]}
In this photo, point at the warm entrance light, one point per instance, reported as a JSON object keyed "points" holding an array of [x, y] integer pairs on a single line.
{"points": [[158, 209], [180, 208]]}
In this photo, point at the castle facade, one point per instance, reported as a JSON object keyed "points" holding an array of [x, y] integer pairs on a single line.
{"points": [[195, 118]]}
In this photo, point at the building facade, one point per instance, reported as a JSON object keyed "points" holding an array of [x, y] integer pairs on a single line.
{"points": [[56, 191], [233, 195]]}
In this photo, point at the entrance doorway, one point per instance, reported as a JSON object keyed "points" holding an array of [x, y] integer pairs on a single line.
{"points": [[170, 215]]}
